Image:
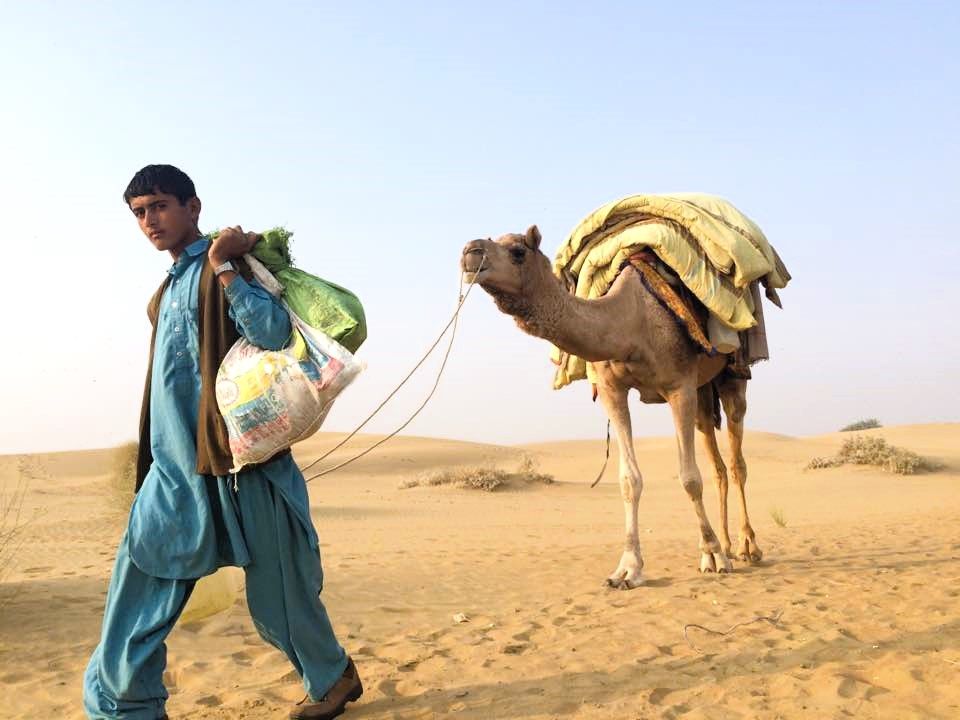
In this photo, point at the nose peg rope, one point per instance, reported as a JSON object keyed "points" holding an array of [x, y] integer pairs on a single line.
{"points": [[605, 459]]}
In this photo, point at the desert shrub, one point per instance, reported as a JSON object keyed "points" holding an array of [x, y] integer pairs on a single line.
{"points": [[868, 424], [778, 517], [529, 471], [876, 451], [475, 478], [11, 518], [483, 477], [13, 524], [818, 462], [123, 476]]}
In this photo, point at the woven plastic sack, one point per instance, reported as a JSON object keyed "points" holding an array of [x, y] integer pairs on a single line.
{"points": [[272, 399]]}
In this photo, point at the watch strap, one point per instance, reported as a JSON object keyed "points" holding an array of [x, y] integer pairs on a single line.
{"points": [[225, 267]]}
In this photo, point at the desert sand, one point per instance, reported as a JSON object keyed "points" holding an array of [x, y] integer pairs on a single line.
{"points": [[865, 578]]}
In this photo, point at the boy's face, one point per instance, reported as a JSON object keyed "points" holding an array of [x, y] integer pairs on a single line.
{"points": [[169, 225]]}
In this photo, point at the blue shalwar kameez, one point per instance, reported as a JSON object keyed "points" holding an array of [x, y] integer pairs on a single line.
{"points": [[183, 525]]}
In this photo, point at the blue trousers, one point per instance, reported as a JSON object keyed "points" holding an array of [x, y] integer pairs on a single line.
{"points": [[124, 678]]}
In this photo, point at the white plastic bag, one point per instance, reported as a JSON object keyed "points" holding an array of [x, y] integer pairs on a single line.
{"points": [[723, 337], [270, 399], [213, 594]]}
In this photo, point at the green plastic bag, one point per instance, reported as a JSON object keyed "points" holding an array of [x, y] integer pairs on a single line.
{"points": [[332, 309], [273, 249]]}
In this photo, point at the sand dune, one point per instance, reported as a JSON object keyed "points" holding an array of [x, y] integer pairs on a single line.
{"points": [[865, 577]]}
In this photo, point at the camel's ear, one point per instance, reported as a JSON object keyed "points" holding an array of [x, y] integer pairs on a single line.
{"points": [[532, 238]]}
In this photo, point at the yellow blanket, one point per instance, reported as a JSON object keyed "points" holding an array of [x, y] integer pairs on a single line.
{"points": [[715, 250]]}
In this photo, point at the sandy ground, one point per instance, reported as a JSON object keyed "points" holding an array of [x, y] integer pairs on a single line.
{"points": [[865, 576]]}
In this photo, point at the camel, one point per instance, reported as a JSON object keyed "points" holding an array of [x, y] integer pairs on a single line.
{"points": [[633, 342]]}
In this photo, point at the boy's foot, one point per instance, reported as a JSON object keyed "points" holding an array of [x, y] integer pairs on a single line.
{"points": [[347, 689]]}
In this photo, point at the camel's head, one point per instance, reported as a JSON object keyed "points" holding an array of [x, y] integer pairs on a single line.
{"points": [[506, 267]]}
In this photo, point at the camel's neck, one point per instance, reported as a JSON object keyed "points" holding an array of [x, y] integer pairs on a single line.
{"points": [[590, 329]]}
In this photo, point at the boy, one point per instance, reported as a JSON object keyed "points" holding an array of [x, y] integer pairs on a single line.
{"points": [[190, 516]]}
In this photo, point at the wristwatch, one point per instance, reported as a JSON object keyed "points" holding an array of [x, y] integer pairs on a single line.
{"points": [[227, 266]]}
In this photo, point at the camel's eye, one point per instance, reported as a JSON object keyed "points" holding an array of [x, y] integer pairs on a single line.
{"points": [[518, 253]]}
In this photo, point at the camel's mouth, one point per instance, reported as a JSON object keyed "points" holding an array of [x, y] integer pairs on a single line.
{"points": [[473, 265], [475, 276]]}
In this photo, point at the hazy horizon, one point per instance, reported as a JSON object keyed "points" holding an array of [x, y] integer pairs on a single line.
{"points": [[388, 135]]}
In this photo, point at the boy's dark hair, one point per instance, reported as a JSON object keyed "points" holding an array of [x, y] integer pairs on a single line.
{"points": [[160, 179]]}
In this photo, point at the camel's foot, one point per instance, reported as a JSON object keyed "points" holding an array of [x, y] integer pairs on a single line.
{"points": [[629, 573], [727, 547], [717, 562], [748, 550]]}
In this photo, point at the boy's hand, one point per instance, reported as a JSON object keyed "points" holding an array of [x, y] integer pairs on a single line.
{"points": [[231, 243]]}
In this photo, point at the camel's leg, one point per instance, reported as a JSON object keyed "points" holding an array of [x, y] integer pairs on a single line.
{"points": [[705, 400], [683, 403], [733, 396], [629, 573]]}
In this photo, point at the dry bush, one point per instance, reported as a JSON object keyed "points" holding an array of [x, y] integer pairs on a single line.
{"points": [[11, 518], [483, 477], [474, 478], [123, 476], [818, 463], [876, 451], [868, 424], [12, 522], [529, 471], [778, 517]]}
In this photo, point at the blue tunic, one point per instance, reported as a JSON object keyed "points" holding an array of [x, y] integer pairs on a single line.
{"points": [[184, 525]]}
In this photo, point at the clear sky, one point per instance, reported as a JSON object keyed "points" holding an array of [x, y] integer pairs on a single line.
{"points": [[388, 134]]}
